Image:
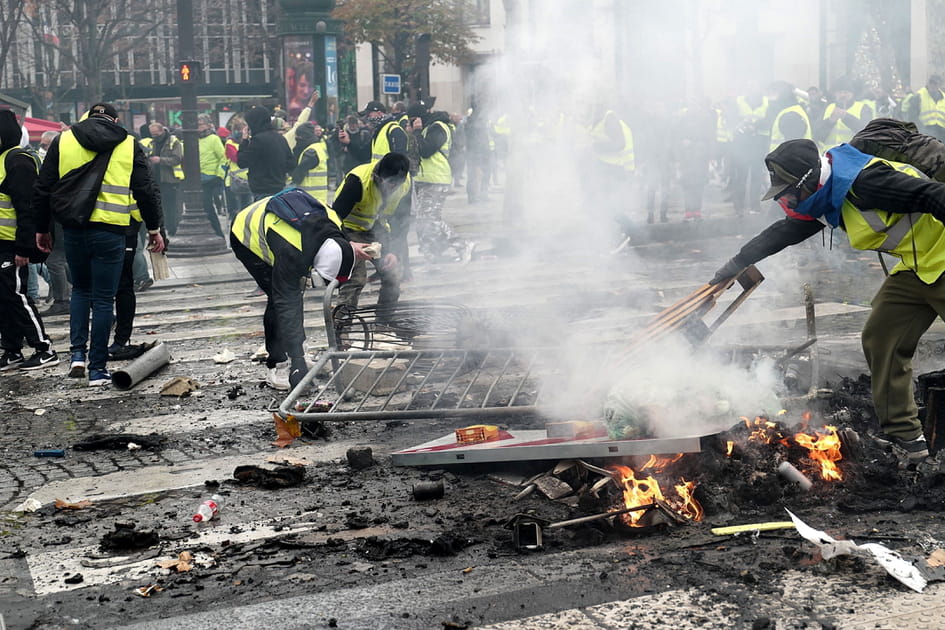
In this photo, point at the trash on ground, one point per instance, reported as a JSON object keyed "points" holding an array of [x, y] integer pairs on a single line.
{"points": [[119, 442], [269, 479], [226, 356], [179, 386], [66, 505], [752, 527], [208, 509], [428, 490], [895, 565], [49, 452], [182, 564], [145, 591], [39, 412], [30, 505]]}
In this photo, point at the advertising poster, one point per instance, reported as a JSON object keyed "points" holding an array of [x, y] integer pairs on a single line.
{"points": [[299, 77]]}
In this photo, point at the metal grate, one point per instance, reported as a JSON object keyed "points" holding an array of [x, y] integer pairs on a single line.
{"points": [[420, 384]]}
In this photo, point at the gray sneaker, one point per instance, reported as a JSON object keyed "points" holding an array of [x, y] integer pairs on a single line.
{"points": [[915, 450]]}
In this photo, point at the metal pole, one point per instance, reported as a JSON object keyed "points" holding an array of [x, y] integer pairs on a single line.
{"points": [[188, 102]]}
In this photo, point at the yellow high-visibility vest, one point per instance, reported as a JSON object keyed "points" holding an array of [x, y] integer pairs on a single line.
{"points": [[114, 202]]}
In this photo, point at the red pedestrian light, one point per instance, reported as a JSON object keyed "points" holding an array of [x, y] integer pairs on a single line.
{"points": [[188, 71]]}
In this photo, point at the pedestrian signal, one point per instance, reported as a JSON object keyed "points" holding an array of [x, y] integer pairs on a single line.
{"points": [[188, 71]]}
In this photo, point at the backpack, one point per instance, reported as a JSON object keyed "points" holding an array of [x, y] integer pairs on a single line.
{"points": [[901, 141], [293, 205]]}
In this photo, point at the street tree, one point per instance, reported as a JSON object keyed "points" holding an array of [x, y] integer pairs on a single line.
{"points": [[11, 19], [393, 27], [89, 37]]}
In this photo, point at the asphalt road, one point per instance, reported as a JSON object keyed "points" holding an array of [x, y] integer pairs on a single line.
{"points": [[346, 549]]}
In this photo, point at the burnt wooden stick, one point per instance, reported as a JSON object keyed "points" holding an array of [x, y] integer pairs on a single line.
{"points": [[597, 517]]}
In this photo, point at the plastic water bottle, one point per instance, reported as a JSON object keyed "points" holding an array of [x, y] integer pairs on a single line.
{"points": [[208, 509]]}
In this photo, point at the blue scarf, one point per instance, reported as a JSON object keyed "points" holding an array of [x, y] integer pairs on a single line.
{"points": [[846, 164]]}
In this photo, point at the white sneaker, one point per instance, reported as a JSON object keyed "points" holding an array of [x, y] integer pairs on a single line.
{"points": [[278, 377]]}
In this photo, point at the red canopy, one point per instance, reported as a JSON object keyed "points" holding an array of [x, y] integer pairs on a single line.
{"points": [[36, 127]]}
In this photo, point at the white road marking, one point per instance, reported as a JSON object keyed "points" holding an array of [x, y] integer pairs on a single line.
{"points": [[152, 479], [50, 568]]}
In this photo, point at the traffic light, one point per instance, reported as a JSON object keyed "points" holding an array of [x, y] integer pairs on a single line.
{"points": [[188, 72]]}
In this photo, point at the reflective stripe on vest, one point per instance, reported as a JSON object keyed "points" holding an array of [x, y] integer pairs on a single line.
{"points": [[917, 238], [931, 112], [113, 203], [368, 210], [777, 137], [623, 158], [251, 224], [316, 179], [7, 213], [436, 168], [381, 145]]}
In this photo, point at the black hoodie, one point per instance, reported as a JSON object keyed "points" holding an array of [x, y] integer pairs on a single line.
{"points": [[266, 154], [18, 183], [99, 135]]}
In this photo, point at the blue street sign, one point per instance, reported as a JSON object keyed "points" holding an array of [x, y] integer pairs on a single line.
{"points": [[390, 83]]}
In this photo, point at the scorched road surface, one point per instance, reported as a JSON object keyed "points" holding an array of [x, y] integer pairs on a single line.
{"points": [[352, 549]]}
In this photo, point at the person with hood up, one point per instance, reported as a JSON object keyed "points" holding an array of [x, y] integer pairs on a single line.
{"points": [[365, 201], [278, 255], [311, 156], [265, 153], [95, 244], [885, 206], [21, 319]]}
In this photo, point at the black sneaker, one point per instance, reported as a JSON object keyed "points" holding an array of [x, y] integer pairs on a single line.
{"points": [[10, 360], [41, 359], [57, 308], [915, 450]]}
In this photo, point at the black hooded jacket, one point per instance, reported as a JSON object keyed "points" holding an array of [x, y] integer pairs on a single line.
{"points": [[266, 154], [99, 135], [18, 183]]}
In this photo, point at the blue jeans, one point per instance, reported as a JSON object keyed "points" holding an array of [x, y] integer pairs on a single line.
{"points": [[95, 258]]}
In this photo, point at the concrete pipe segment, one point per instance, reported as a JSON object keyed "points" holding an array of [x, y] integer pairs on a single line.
{"points": [[142, 367]]}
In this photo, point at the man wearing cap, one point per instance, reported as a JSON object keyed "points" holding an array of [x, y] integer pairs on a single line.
{"points": [[279, 256], [884, 206], [95, 246]]}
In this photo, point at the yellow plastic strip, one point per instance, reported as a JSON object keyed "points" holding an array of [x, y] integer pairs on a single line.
{"points": [[761, 527]]}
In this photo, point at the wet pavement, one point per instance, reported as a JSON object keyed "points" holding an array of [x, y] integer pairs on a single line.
{"points": [[296, 558]]}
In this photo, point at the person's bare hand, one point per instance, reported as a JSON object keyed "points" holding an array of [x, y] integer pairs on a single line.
{"points": [[21, 261], [155, 243], [44, 242], [359, 253], [155, 159]]}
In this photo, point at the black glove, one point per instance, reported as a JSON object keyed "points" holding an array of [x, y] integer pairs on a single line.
{"points": [[727, 271], [297, 371]]}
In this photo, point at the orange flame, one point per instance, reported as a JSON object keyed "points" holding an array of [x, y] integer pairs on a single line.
{"points": [[824, 447], [658, 464], [729, 448], [765, 431], [646, 490], [689, 507]]}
